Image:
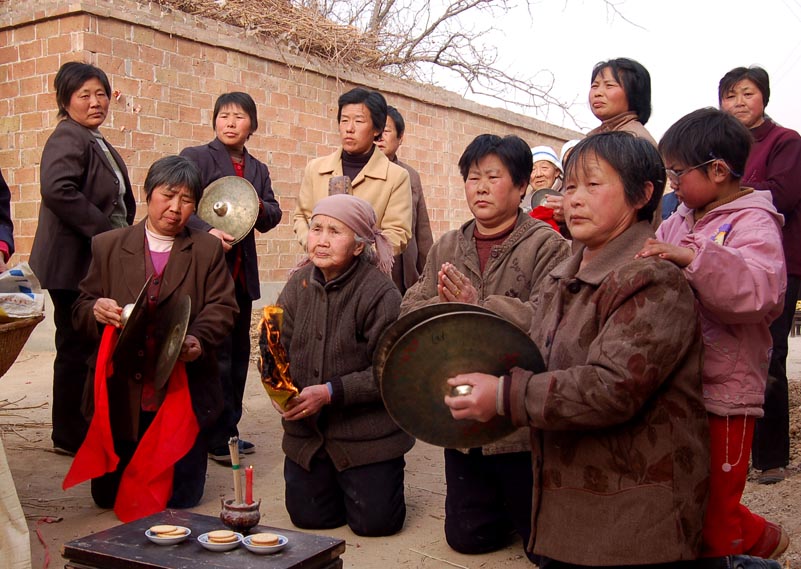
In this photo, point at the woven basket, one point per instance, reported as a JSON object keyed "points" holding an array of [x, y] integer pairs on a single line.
{"points": [[13, 337]]}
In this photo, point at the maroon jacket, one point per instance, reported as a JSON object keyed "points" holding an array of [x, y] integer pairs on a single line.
{"points": [[775, 165]]}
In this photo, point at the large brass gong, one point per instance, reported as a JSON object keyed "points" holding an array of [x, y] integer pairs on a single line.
{"points": [[415, 372]]}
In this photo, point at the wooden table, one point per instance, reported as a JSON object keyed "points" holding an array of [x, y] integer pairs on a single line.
{"points": [[126, 547]]}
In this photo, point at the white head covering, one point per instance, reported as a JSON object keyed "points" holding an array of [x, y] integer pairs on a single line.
{"points": [[570, 144], [546, 153]]}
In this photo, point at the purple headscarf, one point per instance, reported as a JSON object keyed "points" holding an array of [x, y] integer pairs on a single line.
{"points": [[360, 217]]}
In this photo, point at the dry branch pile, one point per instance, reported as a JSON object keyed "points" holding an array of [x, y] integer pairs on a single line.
{"points": [[301, 30]]}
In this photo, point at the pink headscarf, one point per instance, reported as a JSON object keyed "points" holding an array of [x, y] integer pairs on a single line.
{"points": [[360, 217]]}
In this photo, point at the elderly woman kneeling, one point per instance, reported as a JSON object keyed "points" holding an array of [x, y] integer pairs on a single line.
{"points": [[344, 454]]}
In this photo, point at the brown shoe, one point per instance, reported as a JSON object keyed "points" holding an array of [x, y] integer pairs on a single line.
{"points": [[772, 475], [772, 543]]}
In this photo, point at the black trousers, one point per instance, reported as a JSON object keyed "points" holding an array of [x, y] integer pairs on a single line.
{"points": [[70, 368], [771, 447], [488, 499], [368, 498], [233, 358], [189, 475]]}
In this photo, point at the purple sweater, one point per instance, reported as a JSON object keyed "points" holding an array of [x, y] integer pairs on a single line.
{"points": [[775, 165]]}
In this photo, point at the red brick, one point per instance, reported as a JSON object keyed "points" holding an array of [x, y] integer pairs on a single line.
{"points": [[9, 53], [9, 89], [59, 44], [97, 43]]}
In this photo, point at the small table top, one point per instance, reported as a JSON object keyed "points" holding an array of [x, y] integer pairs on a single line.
{"points": [[126, 547]]}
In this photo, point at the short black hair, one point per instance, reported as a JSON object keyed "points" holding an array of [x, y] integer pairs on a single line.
{"points": [[635, 80], [397, 118], [373, 100], [69, 79], [634, 159], [174, 171], [708, 134], [242, 100], [754, 73], [512, 151]]}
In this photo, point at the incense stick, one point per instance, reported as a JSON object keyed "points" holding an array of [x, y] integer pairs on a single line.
{"points": [[233, 448]]}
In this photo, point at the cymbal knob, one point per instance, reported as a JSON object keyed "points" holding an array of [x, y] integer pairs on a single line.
{"points": [[126, 313], [220, 208], [461, 390]]}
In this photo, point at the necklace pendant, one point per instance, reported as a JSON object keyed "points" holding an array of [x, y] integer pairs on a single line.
{"points": [[726, 467]]}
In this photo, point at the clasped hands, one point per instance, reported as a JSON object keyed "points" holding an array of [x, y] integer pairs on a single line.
{"points": [[454, 286]]}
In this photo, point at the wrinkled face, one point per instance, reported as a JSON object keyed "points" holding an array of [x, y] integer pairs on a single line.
{"points": [[596, 210], [169, 208], [89, 104], [744, 102], [232, 127], [331, 245], [356, 129], [607, 97], [491, 195], [389, 142], [543, 175]]}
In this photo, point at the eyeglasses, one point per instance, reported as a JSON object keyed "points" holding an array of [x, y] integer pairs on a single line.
{"points": [[675, 175]]}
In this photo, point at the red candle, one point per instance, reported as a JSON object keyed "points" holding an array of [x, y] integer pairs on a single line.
{"points": [[249, 484]]}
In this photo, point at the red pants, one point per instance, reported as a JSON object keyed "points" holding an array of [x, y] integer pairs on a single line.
{"points": [[729, 527]]}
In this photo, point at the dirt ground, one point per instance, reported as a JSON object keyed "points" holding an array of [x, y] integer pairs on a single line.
{"points": [[55, 516]]}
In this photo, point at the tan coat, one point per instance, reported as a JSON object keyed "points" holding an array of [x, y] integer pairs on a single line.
{"points": [[619, 430], [384, 184]]}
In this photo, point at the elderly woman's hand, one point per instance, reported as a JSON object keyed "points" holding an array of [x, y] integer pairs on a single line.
{"points": [[190, 349], [480, 403], [108, 312], [310, 400], [556, 203], [681, 256], [225, 238], [454, 286]]}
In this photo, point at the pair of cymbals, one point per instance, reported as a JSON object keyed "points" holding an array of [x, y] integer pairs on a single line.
{"points": [[230, 204], [171, 330], [418, 353]]}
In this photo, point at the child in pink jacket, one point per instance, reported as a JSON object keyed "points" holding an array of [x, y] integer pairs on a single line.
{"points": [[728, 241]]}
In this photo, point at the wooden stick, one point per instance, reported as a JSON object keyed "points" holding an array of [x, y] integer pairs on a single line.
{"points": [[438, 559]]}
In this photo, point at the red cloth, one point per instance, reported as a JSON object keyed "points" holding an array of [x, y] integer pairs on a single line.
{"points": [[544, 214], [146, 484], [729, 527], [96, 456]]}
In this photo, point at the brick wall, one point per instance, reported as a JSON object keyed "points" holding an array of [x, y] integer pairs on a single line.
{"points": [[169, 67]]}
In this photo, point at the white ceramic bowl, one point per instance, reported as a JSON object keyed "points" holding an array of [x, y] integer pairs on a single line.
{"points": [[168, 540], [264, 549], [203, 539]]}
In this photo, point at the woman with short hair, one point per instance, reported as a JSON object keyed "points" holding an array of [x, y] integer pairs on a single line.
{"points": [[362, 116], [85, 192]]}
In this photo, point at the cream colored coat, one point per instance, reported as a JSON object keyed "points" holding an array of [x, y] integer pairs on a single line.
{"points": [[384, 184]]}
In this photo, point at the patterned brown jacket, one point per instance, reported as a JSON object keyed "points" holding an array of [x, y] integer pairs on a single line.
{"points": [[620, 439]]}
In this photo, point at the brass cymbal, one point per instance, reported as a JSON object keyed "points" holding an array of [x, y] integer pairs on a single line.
{"points": [[133, 330], [231, 205], [538, 198], [175, 321], [408, 321], [416, 369]]}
